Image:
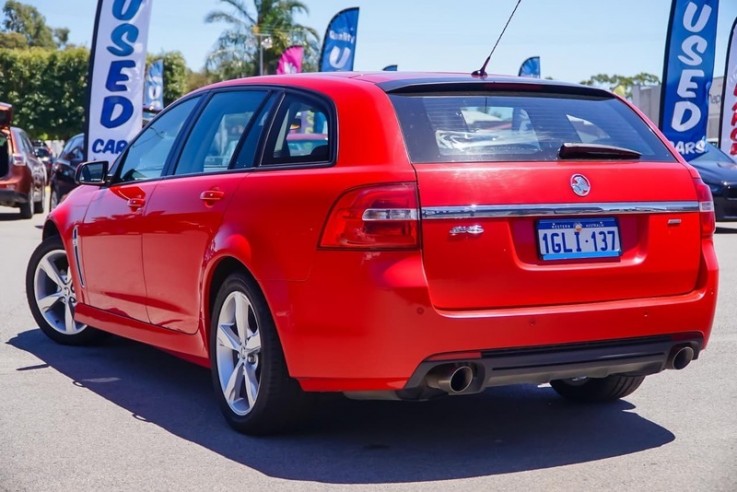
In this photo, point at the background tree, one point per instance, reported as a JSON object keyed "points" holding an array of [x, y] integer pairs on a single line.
{"points": [[27, 21], [236, 52], [620, 84]]}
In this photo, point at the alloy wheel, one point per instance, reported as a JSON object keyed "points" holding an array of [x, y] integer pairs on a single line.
{"points": [[238, 353], [54, 293]]}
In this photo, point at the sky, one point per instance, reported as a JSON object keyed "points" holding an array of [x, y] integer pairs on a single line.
{"points": [[575, 39]]}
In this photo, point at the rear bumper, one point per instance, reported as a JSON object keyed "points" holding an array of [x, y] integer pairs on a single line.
{"points": [[538, 365], [382, 329]]}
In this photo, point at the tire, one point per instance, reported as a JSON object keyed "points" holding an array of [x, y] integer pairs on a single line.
{"points": [[50, 294], [249, 373], [53, 199], [597, 390], [26, 209], [38, 207]]}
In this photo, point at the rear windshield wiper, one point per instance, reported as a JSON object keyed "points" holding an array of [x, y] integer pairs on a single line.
{"points": [[595, 151]]}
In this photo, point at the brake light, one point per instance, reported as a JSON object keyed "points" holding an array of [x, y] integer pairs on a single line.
{"points": [[706, 209], [19, 160], [376, 217]]}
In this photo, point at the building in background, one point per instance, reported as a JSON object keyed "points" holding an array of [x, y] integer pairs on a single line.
{"points": [[647, 98]]}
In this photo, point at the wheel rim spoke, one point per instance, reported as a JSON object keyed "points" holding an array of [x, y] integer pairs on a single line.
{"points": [[241, 316], [52, 272], [235, 382], [227, 338], [253, 344], [69, 325], [46, 303], [251, 384]]}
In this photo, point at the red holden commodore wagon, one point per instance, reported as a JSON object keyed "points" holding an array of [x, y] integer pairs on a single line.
{"points": [[444, 234]]}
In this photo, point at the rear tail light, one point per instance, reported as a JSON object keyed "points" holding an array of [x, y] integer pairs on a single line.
{"points": [[706, 209], [19, 160], [376, 217]]}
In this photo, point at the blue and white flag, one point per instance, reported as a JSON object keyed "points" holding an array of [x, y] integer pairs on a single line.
{"points": [[339, 45], [530, 67], [153, 91], [687, 74], [117, 64], [728, 123]]}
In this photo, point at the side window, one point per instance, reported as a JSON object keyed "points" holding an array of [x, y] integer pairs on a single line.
{"points": [[27, 146], [218, 131], [147, 155], [300, 133]]}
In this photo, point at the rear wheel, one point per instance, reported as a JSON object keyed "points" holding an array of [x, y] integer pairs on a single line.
{"points": [[51, 295], [38, 207], [26, 209], [595, 390], [53, 199], [249, 373]]}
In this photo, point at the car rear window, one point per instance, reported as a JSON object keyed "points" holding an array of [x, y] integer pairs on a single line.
{"points": [[472, 127]]}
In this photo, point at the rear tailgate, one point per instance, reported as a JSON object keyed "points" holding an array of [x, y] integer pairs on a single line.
{"points": [[489, 233], [510, 219]]}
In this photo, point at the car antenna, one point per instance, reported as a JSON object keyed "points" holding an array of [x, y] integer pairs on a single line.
{"points": [[481, 72]]}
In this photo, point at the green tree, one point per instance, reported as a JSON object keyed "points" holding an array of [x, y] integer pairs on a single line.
{"points": [[270, 25], [620, 84], [28, 21]]}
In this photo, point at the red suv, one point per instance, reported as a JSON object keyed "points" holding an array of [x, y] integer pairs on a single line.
{"points": [[22, 175], [419, 250]]}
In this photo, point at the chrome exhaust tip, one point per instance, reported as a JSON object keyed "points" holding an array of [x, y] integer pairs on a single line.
{"points": [[680, 357], [452, 379]]}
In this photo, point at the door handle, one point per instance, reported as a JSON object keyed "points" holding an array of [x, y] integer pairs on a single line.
{"points": [[136, 203], [211, 196]]}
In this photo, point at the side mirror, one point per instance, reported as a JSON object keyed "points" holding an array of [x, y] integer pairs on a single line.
{"points": [[91, 173]]}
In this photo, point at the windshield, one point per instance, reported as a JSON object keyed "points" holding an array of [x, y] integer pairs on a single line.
{"points": [[713, 154], [470, 127]]}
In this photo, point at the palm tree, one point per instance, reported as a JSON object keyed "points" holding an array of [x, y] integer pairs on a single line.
{"points": [[236, 52]]}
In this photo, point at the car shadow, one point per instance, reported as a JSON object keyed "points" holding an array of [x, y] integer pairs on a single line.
{"points": [[503, 430], [7, 216], [720, 229]]}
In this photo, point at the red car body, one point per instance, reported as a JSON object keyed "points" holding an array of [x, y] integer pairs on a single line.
{"points": [[456, 280]]}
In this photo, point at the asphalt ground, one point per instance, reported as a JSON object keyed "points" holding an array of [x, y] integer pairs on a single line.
{"points": [[123, 416]]}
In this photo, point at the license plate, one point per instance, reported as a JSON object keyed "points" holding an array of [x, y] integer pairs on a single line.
{"points": [[566, 239]]}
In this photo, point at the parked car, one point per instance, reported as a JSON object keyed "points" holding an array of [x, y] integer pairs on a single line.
{"points": [[62, 181], [719, 172], [22, 176], [416, 255], [44, 154]]}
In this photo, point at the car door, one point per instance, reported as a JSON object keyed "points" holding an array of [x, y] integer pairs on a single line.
{"points": [[110, 235], [185, 211]]}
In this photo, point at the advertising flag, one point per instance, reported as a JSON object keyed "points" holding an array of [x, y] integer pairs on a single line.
{"points": [[291, 60], [117, 64], [339, 45], [153, 89], [530, 67], [687, 74], [390, 68], [728, 123]]}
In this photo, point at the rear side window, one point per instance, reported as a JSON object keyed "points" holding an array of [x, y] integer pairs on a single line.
{"points": [[470, 127], [300, 133]]}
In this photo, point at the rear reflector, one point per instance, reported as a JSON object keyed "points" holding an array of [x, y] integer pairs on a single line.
{"points": [[706, 209], [376, 217]]}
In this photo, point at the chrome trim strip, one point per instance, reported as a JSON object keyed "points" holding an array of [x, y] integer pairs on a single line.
{"points": [[389, 214], [543, 210], [75, 246]]}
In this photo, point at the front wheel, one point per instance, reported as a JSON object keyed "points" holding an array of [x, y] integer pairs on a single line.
{"points": [[597, 390], [38, 207], [26, 209], [249, 373], [51, 295]]}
